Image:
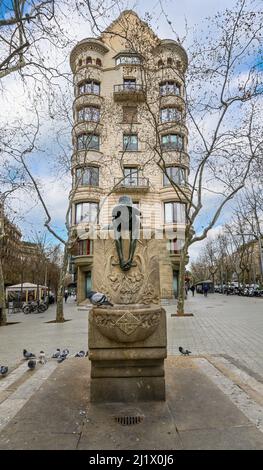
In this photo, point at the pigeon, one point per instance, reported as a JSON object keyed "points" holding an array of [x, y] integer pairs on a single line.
{"points": [[98, 299], [31, 364], [28, 354], [63, 355], [87, 353], [42, 358], [3, 370], [80, 354], [56, 354], [184, 352]]}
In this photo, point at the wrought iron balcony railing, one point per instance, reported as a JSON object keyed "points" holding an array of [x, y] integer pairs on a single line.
{"points": [[126, 91], [137, 183]]}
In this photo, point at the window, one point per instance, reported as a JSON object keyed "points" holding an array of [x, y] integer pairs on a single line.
{"points": [[98, 62], [88, 141], [169, 61], [130, 142], [176, 174], [174, 213], [160, 63], [85, 247], [89, 60], [169, 88], [129, 83], [128, 59], [86, 212], [131, 176], [130, 114], [80, 62], [89, 86], [90, 113], [173, 246], [172, 142], [178, 64], [170, 114], [87, 176]]}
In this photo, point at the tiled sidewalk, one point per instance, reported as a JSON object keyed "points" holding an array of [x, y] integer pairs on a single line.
{"points": [[227, 325]]}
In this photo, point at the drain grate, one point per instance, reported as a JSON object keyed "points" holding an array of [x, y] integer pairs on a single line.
{"points": [[128, 420]]}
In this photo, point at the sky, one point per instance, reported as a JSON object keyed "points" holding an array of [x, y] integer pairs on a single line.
{"points": [[178, 13]]}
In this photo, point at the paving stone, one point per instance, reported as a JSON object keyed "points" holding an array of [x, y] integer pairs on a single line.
{"points": [[235, 438]]}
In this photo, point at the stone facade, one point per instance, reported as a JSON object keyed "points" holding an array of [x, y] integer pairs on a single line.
{"points": [[129, 93]]}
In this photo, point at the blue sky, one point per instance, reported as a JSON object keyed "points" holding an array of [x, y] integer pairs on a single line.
{"points": [[178, 13]]}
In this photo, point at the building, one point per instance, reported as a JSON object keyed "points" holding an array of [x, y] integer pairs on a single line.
{"points": [[9, 249], [129, 124]]}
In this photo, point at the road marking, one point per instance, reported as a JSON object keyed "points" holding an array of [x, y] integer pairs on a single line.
{"points": [[15, 402]]}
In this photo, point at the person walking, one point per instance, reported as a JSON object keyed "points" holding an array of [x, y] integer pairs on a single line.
{"points": [[205, 290], [192, 288], [66, 296]]}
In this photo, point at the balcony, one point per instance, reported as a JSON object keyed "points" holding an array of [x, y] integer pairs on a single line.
{"points": [[129, 92], [136, 184]]}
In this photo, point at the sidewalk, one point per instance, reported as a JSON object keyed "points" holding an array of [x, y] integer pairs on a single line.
{"points": [[205, 409]]}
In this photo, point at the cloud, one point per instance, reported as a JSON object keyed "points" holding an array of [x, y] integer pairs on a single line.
{"points": [[196, 248]]}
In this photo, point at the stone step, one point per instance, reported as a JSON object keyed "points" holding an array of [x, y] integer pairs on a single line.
{"points": [[17, 397]]}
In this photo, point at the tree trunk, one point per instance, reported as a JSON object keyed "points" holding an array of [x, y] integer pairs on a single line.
{"points": [[60, 293], [3, 318], [181, 290]]}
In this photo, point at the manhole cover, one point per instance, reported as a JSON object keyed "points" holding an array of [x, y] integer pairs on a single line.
{"points": [[128, 420]]}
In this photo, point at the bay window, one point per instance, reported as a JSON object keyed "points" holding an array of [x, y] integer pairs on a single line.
{"points": [[169, 87], [172, 142], [89, 86], [176, 174], [87, 176], [88, 142], [85, 247], [170, 114], [174, 212], [89, 113], [128, 59], [86, 212]]}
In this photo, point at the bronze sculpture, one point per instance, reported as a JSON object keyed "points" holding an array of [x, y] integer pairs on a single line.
{"points": [[126, 218]]}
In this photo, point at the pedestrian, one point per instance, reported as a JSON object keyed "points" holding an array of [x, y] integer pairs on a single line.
{"points": [[66, 296], [192, 288], [205, 288]]}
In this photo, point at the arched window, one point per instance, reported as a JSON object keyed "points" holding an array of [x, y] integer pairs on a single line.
{"points": [[178, 64], [80, 62], [160, 63], [98, 62], [169, 61], [89, 60]]}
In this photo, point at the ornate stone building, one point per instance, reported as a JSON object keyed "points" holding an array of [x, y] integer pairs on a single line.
{"points": [[129, 138]]}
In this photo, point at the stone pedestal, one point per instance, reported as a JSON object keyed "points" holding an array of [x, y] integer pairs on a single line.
{"points": [[127, 342], [127, 348]]}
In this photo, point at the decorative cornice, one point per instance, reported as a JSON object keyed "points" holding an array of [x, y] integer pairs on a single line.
{"points": [[85, 45], [174, 45]]}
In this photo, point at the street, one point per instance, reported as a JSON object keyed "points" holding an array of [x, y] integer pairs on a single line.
{"points": [[231, 326]]}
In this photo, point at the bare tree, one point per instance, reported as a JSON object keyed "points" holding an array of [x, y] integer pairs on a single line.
{"points": [[223, 94]]}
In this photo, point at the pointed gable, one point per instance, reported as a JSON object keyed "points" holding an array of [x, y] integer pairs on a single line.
{"points": [[129, 28]]}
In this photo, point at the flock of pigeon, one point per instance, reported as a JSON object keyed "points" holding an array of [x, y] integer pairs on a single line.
{"points": [[32, 360], [60, 356]]}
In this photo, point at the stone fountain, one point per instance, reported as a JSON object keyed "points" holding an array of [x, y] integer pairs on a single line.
{"points": [[127, 342]]}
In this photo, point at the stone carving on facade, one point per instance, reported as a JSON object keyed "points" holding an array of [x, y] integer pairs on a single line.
{"points": [[138, 285]]}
